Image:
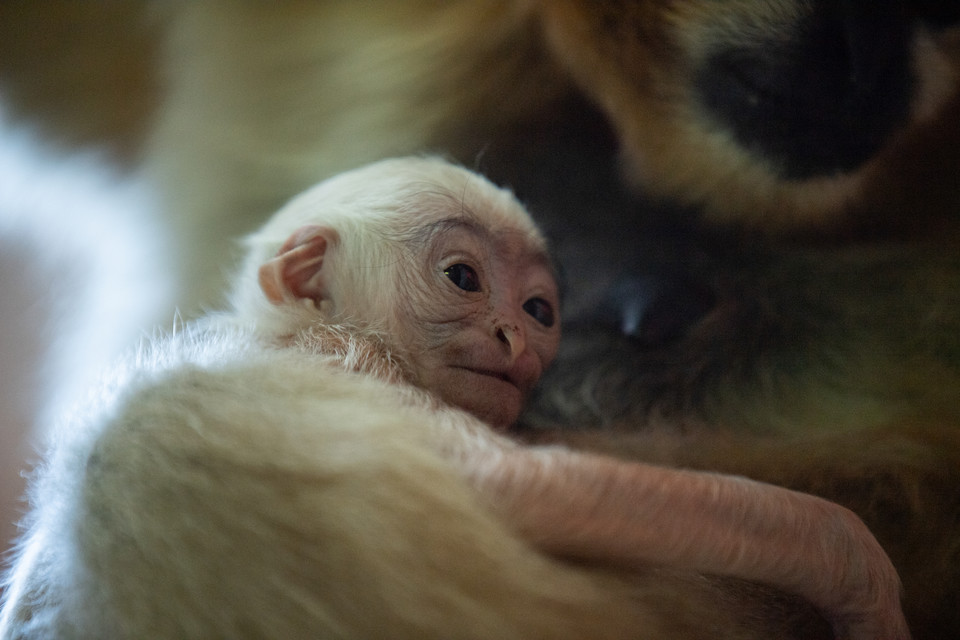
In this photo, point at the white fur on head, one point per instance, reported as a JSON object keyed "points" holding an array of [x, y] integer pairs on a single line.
{"points": [[371, 208]]}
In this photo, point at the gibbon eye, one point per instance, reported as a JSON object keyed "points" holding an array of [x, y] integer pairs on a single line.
{"points": [[540, 310], [464, 276]]}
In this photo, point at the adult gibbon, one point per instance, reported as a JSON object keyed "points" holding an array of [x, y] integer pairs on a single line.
{"points": [[754, 202]]}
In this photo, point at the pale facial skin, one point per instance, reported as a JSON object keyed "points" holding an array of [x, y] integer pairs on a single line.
{"points": [[484, 322]]}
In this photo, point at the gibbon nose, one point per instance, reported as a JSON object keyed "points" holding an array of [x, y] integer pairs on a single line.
{"points": [[512, 336]]}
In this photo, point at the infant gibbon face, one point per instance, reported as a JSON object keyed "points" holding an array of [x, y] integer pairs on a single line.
{"points": [[479, 317], [448, 269]]}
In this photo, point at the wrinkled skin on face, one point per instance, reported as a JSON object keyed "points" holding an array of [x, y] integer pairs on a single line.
{"points": [[479, 319]]}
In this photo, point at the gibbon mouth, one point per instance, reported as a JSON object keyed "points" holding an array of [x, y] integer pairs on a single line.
{"points": [[505, 377]]}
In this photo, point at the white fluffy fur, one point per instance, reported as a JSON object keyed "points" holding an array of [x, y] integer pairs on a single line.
{"points": [[195, 501]]}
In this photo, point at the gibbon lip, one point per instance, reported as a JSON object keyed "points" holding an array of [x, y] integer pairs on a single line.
{"points": [[492, 373]]}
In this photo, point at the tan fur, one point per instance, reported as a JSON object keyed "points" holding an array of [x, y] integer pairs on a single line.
{"points": [[468, 78], [671, 149]]}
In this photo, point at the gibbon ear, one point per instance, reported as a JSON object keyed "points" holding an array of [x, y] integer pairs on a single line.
{"points": [[296, 273]]}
